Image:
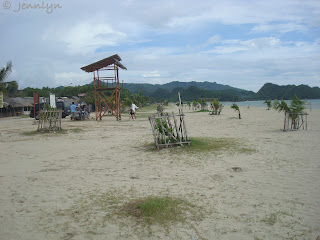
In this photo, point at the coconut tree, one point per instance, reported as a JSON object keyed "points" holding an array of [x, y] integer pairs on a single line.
{"points": [[202, 103], [237, 109], [268, 103], [4, 73], [194, 104], [217, 107], [189, 104], [293, 111]]}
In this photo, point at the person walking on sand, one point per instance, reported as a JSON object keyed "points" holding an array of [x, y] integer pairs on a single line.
{"points": [[73, 111], [133, 110]]}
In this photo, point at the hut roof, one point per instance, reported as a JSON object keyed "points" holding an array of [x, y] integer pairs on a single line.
{"points": [[114, 59], [16, 102]]}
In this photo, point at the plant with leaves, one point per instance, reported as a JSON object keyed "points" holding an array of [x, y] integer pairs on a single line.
{"points": [[217, 106], [194, 104], [268, 103], [162, 127], [189, 104], [294, 110], [202, 103], [178, 104], [4, 73], [127, 101], [236, 108], [166, 102]]}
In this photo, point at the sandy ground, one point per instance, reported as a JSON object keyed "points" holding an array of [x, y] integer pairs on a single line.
{"points": [[276, 196]]}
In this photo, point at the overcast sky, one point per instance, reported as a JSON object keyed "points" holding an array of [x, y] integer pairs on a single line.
{"points": [[242, 43]]}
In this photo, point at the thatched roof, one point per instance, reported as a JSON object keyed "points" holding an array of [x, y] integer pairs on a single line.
{"points": [[114, 59], [17, 102]]}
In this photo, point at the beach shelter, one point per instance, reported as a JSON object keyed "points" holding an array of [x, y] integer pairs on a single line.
{"points": [[106, 85]]}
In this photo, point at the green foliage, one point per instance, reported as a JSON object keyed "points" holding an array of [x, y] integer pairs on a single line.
{"points": [[236, 108], [178, 104], [161, 126], [217, 145], [268, 103], [160, 108], [217, 106], [203, 104], [274, 91], [5, 71], [194, 104], [296, 107], [281, 106], [89, 98], [10, 88], [157, 210], [189, 104]]}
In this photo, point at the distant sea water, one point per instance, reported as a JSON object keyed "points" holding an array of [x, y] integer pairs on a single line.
{"points": [[315, 103]]}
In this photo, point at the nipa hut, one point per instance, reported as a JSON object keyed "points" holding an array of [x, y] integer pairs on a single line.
{"points": [[16, 106]]}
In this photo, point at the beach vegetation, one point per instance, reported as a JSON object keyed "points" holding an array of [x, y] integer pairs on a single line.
{"points": [[202, 145], [236, 108], [268, 103], [52, 133], [8, 88], [203, 110], [189, 104], [157, 210], [216, 107], [205, 145], [293, 111], [194, 105], [94, 210]]}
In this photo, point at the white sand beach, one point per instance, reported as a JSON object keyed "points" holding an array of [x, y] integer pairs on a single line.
{"points": [[275, 194]]}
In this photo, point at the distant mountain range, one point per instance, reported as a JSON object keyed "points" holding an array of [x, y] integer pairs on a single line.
{"points": [[195, 90], [192, 91], [274, 91], [146, 87]]}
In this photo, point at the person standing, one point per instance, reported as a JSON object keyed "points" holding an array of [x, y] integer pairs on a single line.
{"points": [[73, 111], [133, 109]]}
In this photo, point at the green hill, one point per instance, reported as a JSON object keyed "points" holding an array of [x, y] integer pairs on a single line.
{"points": [[274, 91]]}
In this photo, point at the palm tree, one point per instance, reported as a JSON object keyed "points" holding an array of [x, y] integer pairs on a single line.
{"points": [[217, 107], [236, 108], [202, 103], [4, 73], [296, 108], [189, 104], [268, 102], [194, 104]]}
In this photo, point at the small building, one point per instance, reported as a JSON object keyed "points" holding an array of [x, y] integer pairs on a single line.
{"points": [[16, 106]]}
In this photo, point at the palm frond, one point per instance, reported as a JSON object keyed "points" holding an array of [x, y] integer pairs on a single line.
{"points": [[5, 71]]}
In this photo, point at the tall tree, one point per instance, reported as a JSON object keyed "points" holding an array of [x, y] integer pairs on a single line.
{"points": [[4, 73]]}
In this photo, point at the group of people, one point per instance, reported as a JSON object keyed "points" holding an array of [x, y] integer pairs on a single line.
{"points": [[80, 113], [83, 112]]}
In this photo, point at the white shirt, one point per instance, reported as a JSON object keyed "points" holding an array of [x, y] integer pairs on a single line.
{"points": [[133, 107]]}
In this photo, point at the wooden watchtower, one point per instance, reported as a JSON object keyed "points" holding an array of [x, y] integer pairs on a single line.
{"points": [[104, 83]]}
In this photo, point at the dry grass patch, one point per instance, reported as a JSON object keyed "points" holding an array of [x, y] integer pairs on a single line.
{"points": [[210, 145], [92, 212], [48, 133]]}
